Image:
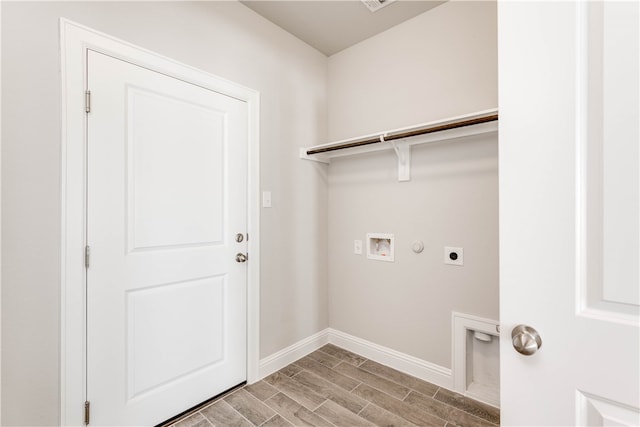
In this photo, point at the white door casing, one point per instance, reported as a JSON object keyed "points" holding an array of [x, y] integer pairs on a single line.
{"points": [[569, 211], [166, 299], [76, 41]]}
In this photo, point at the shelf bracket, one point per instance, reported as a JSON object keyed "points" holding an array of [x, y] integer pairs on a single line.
{"points": [[314, 158], [403, 152]]}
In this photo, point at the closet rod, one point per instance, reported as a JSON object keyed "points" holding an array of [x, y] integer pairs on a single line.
{"points": [[407, 134]]}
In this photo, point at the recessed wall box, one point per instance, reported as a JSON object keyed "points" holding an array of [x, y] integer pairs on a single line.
{"points": [[453, 256], [380, 246]]}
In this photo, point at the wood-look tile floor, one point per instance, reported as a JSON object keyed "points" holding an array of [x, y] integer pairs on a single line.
{"points": [[334, 387]]}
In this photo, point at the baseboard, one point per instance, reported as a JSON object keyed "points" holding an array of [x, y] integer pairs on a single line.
{"points": [[286, 356], [418, 368]]}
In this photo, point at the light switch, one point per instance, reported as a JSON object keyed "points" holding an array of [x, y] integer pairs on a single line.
{"points": [[357, 247], [266, 199]]}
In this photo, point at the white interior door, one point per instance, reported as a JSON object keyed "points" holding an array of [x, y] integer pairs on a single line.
{"points": [[167, 193], [569, 211]]}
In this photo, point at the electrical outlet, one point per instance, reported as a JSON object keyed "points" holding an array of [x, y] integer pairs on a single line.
{"points": [[357, 247], [453, 256]]}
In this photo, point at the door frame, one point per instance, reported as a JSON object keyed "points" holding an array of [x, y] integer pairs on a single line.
{"points": [[75, 40]]}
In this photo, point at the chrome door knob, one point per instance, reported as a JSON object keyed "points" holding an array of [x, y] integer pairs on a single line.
{"points": [[526, 340], [240, 257]]}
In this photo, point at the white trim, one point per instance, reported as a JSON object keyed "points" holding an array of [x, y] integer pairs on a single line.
{"points": [[288, 355], [402, 362], [75, 39], [461, 323], [0, 224]]}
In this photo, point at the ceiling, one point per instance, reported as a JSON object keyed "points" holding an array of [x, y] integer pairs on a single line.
{"points": [[333, 25]]}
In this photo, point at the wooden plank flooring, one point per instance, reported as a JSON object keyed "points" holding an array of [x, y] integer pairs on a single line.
{"points": [[336, 388]]}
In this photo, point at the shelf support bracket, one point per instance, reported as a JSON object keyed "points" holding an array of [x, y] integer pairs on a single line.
{"points": [[403, 152]]}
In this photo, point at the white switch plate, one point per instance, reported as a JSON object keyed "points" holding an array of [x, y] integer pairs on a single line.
{"points": [[357, 247], [453, 255], [266, 199]]}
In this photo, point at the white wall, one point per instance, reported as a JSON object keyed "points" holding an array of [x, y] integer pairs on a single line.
{"points": [[440, 64], [224, 38]]}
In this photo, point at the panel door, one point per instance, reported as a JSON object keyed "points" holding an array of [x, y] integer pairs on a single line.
{"points": [[166, 299], [569, 211]]}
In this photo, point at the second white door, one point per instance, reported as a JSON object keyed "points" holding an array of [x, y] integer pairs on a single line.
{"points": [[569, 212], [166, 298]]}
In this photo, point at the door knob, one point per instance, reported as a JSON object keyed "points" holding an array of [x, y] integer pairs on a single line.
{"points": [[526, 340], [240, 257]]}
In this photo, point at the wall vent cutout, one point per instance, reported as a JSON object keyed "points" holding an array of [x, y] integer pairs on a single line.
{"points": [[375, 5]]}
